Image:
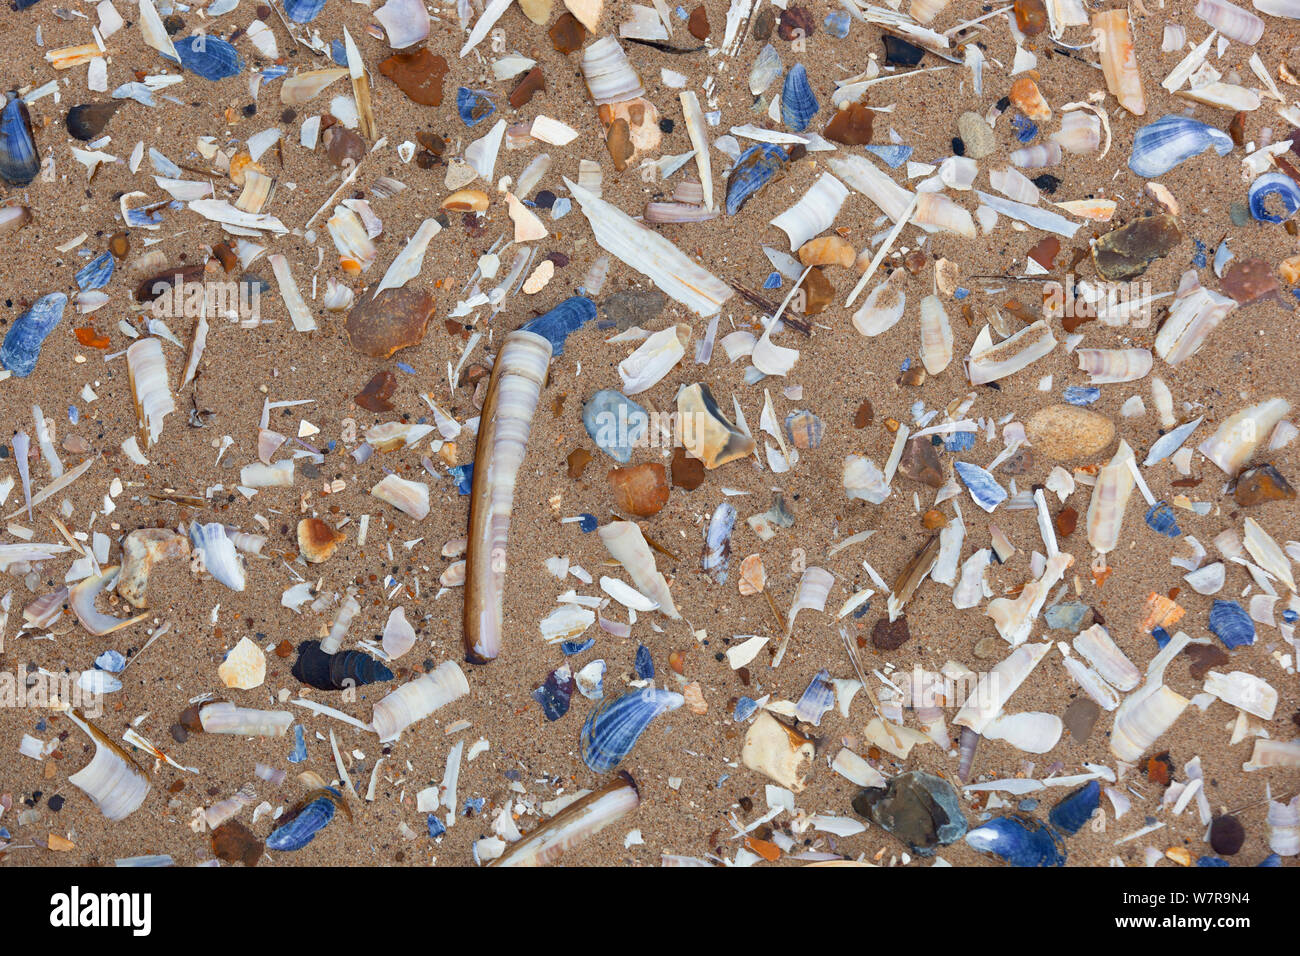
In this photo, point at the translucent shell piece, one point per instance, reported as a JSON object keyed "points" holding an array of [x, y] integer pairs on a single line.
{"points": [[815, 212], [573, 825], [1232, 21], [983, 487], [1112, 366], [22, 344], [1143, 718], [705, 432], [1118, 60], [1234, 442], [767, 67], [717, 543], [1110, 662], [882, 308], [609, 74], [1080, 133], [1019, 840], [1160, 146], [215, 553], [1195, 313], [147, 372], [113, 781], [936, 335], [615, 724], [798, 103], [417, 699], [1273, 184], [223, 717], [81, 598], [303, 11], [1031, 731], [627, 545], [1115, 484]]}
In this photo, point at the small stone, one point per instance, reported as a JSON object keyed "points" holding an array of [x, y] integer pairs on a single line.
{"points": [[419, 75], [698, 24], [763, 24], [818, 292], [1067, 519], [1226, 834], [567, 34], [864, 415], [1260, 484], [1021, 463], [235, 843], [920, 462], [889, 635], [374, 397], [989, 647], [1249, 281], [618, 141], [531, 83], [1237, 129], [633, 307], [899, 52], [796, 22], [119, 244], [1160, 769], [1063, 432], [933, 520], [919, 809], [851, 125], [1031, 17], [641, 490], [1127, 252], [1080, 717], [1205, 657], [396, 319], [977, 135], [1045, 252], [687, 472], [1239, 213], [1066, 616], [343, 146], [577, 462], [915, 261]]}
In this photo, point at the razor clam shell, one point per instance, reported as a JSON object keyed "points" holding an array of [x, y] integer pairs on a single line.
{"points": [[882, 308], [1143, 718], [1284, 818], [293, 301], [410, 260], [1031, 731], [814, 213], [1195, 313], [1015, 185], [778, 752], [575, 824], [214, 549], [868, 179], [1102, 693], [997, 685], [1030, 215], [1113, 366], [408, 497], [1246, 692], [1110, 495], [649, 253], [936, 335], [147, 372], [516, 383], [609, 74], [937, 211], [1224, 96], [627, 545], [1235, 440], [223, 717], [1114, 39], [1273, 753], [114, 782], [1232, 21], [1097, 648], [698, 131], [417, 699], [141, 549]]}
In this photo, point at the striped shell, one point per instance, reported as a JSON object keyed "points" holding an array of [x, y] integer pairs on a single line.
{"points": [[616, 723]]}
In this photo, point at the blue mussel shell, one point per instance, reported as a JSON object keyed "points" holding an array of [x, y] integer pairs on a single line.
{"points": [[22, 345], [798, 103], [19, 163], [616, 723]]}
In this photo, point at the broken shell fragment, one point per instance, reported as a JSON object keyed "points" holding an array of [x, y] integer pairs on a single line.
{"points": [[614, 725], [141, 550], [393, 320], [115, 783], [704, 432], [22, 344], [317, 541], [408, 497], [778, 751], [1127, 252], [1114, 39], [223, 717], [417, 699], [575, 824], [1235, 440], [244, 667], [81, 598]]}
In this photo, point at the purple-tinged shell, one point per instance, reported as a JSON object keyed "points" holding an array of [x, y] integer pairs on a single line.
{"points": [[337, 671], [19, 163], [817, 698], [616, 723], [645, 665], [474, 106], [555, 692], [717, 543], [1160, 146], [983, 487], [22, 345], [1230, 623]]}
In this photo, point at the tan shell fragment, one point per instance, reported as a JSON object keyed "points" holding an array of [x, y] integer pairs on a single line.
{"points": [[245, 667], [140, 550], [1065, 432], [753, 577], [467, 200], [704, 432], [695, 698], [527, 226], [778, 751], [317, 541]]}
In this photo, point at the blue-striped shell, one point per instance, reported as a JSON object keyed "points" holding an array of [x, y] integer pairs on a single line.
{"points": [[983, 487], [746, 707], [299, 752], [959, 441], [817, 698], [22, 345], [474, 106], [558, 324], [616, 723], [1230, 623], [717, 543], [1273, 184], [1160, 146], [210, 57], [555, 692], [303, 11], [1160, 518], [1026, 129], [798, 102], [463, 476], [1020, 840], [577, 647], [1212, 861], [1081, 395], [645, 665], [302, 829], [892, 155], [1271, 860], [95, 273], [753, 169], [1076, 808], [19, 163], [837, 24]]}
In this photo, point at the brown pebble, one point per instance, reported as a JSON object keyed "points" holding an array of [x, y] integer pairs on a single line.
{"points": [[641, 490], [920, 462], [933, 520], [990, 647], [1249, 281], [864, 415], [531, 83], [1064, 432], [374, 397], [343, 146], [687, 472], [1205, 657], [887, 635], [818, 292], [851, 125], [1226, 834], [119, 244], [1260, 484], [432, 142], [764, 21], [619, 143], [1237, 129], [698, 24], [235, 843], [1021, 463], [1031, 16], [419, 75], [283, 650], [396, 319], [567, 34], [1080, 717], [1067, 519], [577, 462], [795, 22]]}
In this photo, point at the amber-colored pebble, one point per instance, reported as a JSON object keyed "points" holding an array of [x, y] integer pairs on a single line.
{"points": [[641, 490], [567, 34], [933, 520], [90, 338], [863, 416], [851, 125], [374, 397], [688, 472], [531, 83], [1031, 16], [698, 24], [1066, 521], [577, 462]]}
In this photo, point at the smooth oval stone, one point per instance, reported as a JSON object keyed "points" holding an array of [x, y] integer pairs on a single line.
{"points": [[1080, 717], [1226, 834], [615, 423], [919, 809], [1127, 252], [343, 146], [418, 75], [396, 319], [976, 135], [698, 23], [567, 34], [641, 490], [1062, 432], [764, 21]]}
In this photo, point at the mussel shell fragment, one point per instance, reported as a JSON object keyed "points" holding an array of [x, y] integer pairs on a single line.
{"points": [[337, 671], [22, 344], [616, 723], [1020, 840], [19, 163]]}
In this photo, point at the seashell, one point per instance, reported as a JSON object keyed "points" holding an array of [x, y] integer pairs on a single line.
{"points": [[1234, 442], [1195, 313], [399, 635], [615, 423], [751, 172], [997, 685], [81, 598], [417, 699], [1119, 66], [338, 671], [654, 359], [22, 344], [565, 623], [1231, 20], [1275, 8], [936, 337], [704, 432], [1273, 753], [338, 297], [317, 541], [937, 211], [1096, 646], [1230, 623], [1076, 808], [1019, 840], [303, 11], [1112, 366], [798, 103], [865, 177], [356, 250], [302, 88], [257, 475], [1115, 484], [114, 782], [717, 543], [1160, 519], [405, 22], [13, 218], [87, 121], [300, 825], [983, 487], [815, 212], [1273, 184], [210, 57], [1143, 717], [1246, 692], [141, 549], [665, 212], [147, 372], [614, 725], [474, 106], [19, 162], [1225, 96], [1036, 157], [1028, 98], [767, 67], [882, 308], [1080, 133], [576, 823], [408, 497], [214, 552], [753, 577], [556, 325], [555, 693], [591, 680], [244, 667], [892, 155], [698, 131], [1029, 215], [1160, 146], [778, 751], [609, 74], [627, 545], [1031, 731], [1284, 821], [223, 717], [862, 479], [817, 698], [804, 429], [1267, 554], [1207, 580], [1015, 184]]}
